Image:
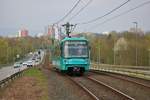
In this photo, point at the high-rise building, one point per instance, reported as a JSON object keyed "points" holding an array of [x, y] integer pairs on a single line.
{"points": [[23, 33], [50, 31]]}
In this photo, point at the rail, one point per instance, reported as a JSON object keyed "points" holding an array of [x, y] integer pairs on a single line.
{"points": [[111, 88], [84, 88]]}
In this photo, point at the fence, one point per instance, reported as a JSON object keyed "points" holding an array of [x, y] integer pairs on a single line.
{"points": [[10, 78], [136, 71]]}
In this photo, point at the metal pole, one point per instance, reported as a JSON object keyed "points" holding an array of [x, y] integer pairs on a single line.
{"points": [[99, 55], [136, 26], [114, 53], [114, 58], [149, 57], [7, 53], [97, 61]]}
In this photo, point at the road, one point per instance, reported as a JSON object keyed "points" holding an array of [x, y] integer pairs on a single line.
{"points": [[10, 70]]}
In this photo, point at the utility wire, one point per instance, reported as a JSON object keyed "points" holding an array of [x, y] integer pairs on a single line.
{"points": [[69, 11], [121, 14], [81, 10], [93, 20]]}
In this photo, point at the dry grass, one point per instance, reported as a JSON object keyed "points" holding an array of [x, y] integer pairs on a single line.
{"points": [[32, 86]]}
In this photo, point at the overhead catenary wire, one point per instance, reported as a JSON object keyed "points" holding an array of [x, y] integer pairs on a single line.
{"points": [[95, 19], [121, 14], [69, 12], [80, 10]]}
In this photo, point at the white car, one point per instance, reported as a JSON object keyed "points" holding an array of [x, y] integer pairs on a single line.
{"points": [[24, 63], [17, 64], [30, 64]]}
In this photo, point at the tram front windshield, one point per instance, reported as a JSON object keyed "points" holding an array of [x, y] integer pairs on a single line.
{"points": [[75, 49]]}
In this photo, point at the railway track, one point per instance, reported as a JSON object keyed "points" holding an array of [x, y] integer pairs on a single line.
{"points": [[113, 89], [80, 86], [84, 88], [133, 80], [99, 90], [137, 88]]}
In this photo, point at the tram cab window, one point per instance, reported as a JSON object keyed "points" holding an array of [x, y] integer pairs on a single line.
{"points": [[76, 49]]}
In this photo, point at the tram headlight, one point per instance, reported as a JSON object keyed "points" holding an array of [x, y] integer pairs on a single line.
{"points": [[86, 61], [65, 61]]}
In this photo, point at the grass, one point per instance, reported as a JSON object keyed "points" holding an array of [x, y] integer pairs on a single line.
{"points": [[41, 78]]}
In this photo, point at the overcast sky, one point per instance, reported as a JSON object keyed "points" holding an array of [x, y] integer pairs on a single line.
{"points": [[36, 14]]}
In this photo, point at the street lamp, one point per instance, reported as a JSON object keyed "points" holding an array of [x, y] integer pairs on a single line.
{"points": [[136, 26]]}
